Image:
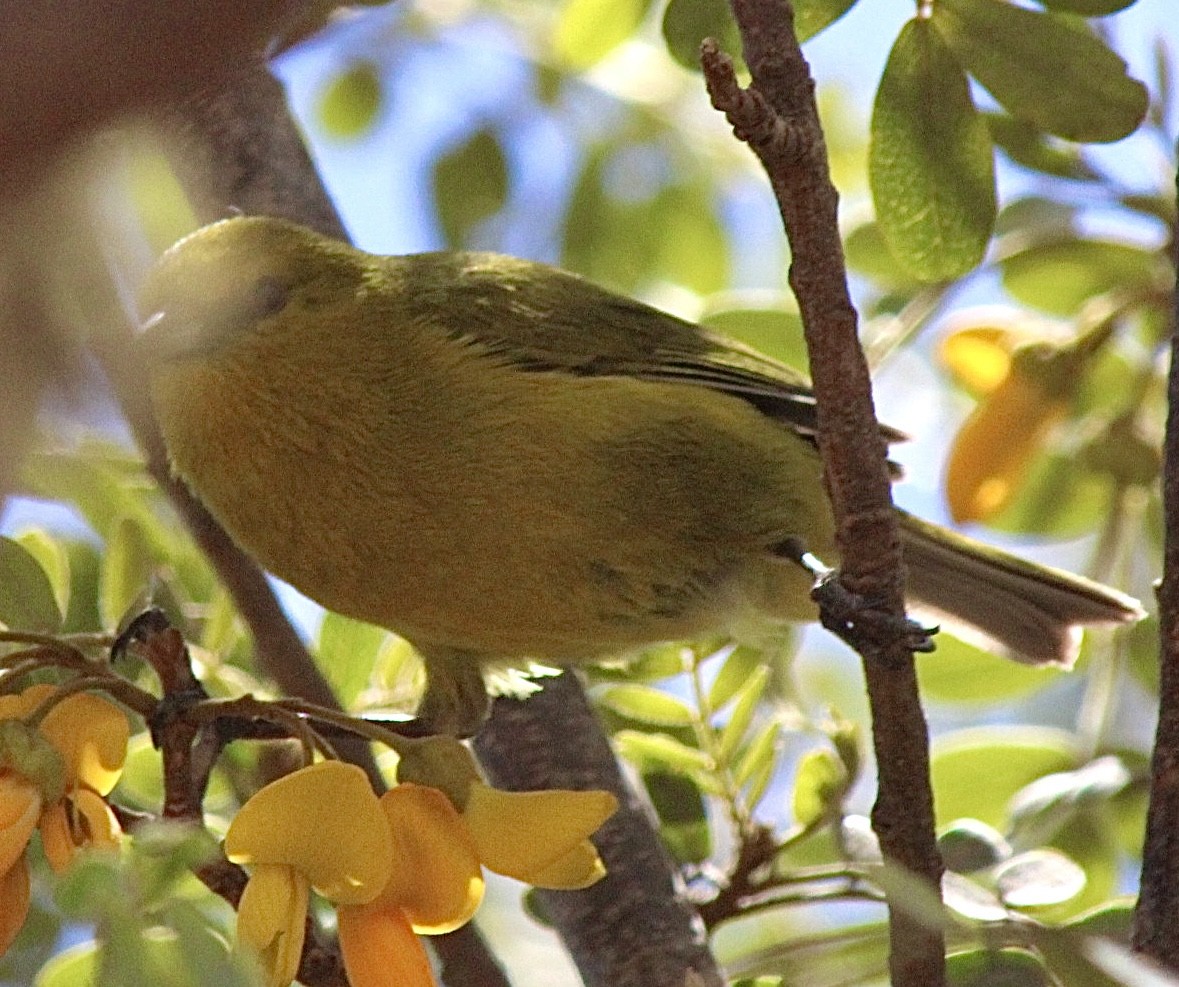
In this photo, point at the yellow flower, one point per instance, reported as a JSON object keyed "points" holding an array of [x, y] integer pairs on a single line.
{"points": [[1025, 392], [435, 886], [54, 776], [405, 865], [541, 838], [320, 827]]}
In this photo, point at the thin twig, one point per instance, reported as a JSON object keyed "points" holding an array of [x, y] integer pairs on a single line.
{"points": [[778, 118]]}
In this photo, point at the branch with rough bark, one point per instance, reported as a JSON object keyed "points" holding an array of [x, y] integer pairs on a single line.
{"points": [[778, 118], [1156, 918]]}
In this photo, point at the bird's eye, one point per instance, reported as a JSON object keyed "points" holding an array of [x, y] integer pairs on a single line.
{"points": [[270, 296]]}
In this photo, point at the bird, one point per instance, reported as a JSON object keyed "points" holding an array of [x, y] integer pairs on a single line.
{"points": [[506, 463]]}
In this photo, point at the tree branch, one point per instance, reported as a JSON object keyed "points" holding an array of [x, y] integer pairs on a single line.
{"points": [[778, 118], [631, 929], [1156, 917]]}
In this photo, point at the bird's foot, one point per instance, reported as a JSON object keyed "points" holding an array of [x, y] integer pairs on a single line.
{"points": [[860, 621]]}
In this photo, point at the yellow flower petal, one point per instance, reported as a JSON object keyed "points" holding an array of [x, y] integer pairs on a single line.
{"points": [[523, 834], [436, 880], [82, 819], [380, 949], [14, 902], [22, 704], [994, 448], [20, 808], [579, 868], [978, 358], [323, 820], [91, 734], [270, 920]]}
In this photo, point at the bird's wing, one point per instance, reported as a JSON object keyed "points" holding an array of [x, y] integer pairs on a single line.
{"points": [[541, 318]]}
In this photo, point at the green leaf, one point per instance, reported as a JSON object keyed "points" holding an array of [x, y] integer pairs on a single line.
{"points": [[819, 786], [470, 186], [349, 105], [1037, 878], [1115, 920], [1061, 497], [977, 771], [996, 968], [777, 332], [588, 30], [1044, 68], [740, 664], [747, 699], [867, 253], [126, 574], [970, 845], [688, 22], [812, 16], [627, 232], [347, 650], [1027, 146], [683, 821], [27, 600], [1088, 8], [641, 702], [756, 766], [1059, 276], [1041, 808], [958, 672], [105, 483], [73, 967], [53, 558], [650, 750], [930, 163]]}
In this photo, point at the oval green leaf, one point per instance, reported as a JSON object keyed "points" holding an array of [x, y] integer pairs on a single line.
{"points": [[647, 705], [126, 574], [996, 968], [976, 772], [470, 186], [930, 162], [1044, 68], [812, 16], [347, 650], [1058, 276], [688, 22], [588, 30], [27, 600], [350, 103], [1088, 8], [658, 750], [1038, 878], [958, 672], [818, 787], [683, 822], [53, 558]]}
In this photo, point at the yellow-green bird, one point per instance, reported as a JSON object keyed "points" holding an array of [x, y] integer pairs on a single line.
{"points": [[504, 462]]}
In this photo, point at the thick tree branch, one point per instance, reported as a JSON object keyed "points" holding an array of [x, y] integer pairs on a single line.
{"points": [[630, 929], [778, 118], [1156, 918], [66, 68]]}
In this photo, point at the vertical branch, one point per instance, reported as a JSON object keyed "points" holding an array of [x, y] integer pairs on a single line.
{"points": [[1156, 917], [777, 116], [631, 929]]}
